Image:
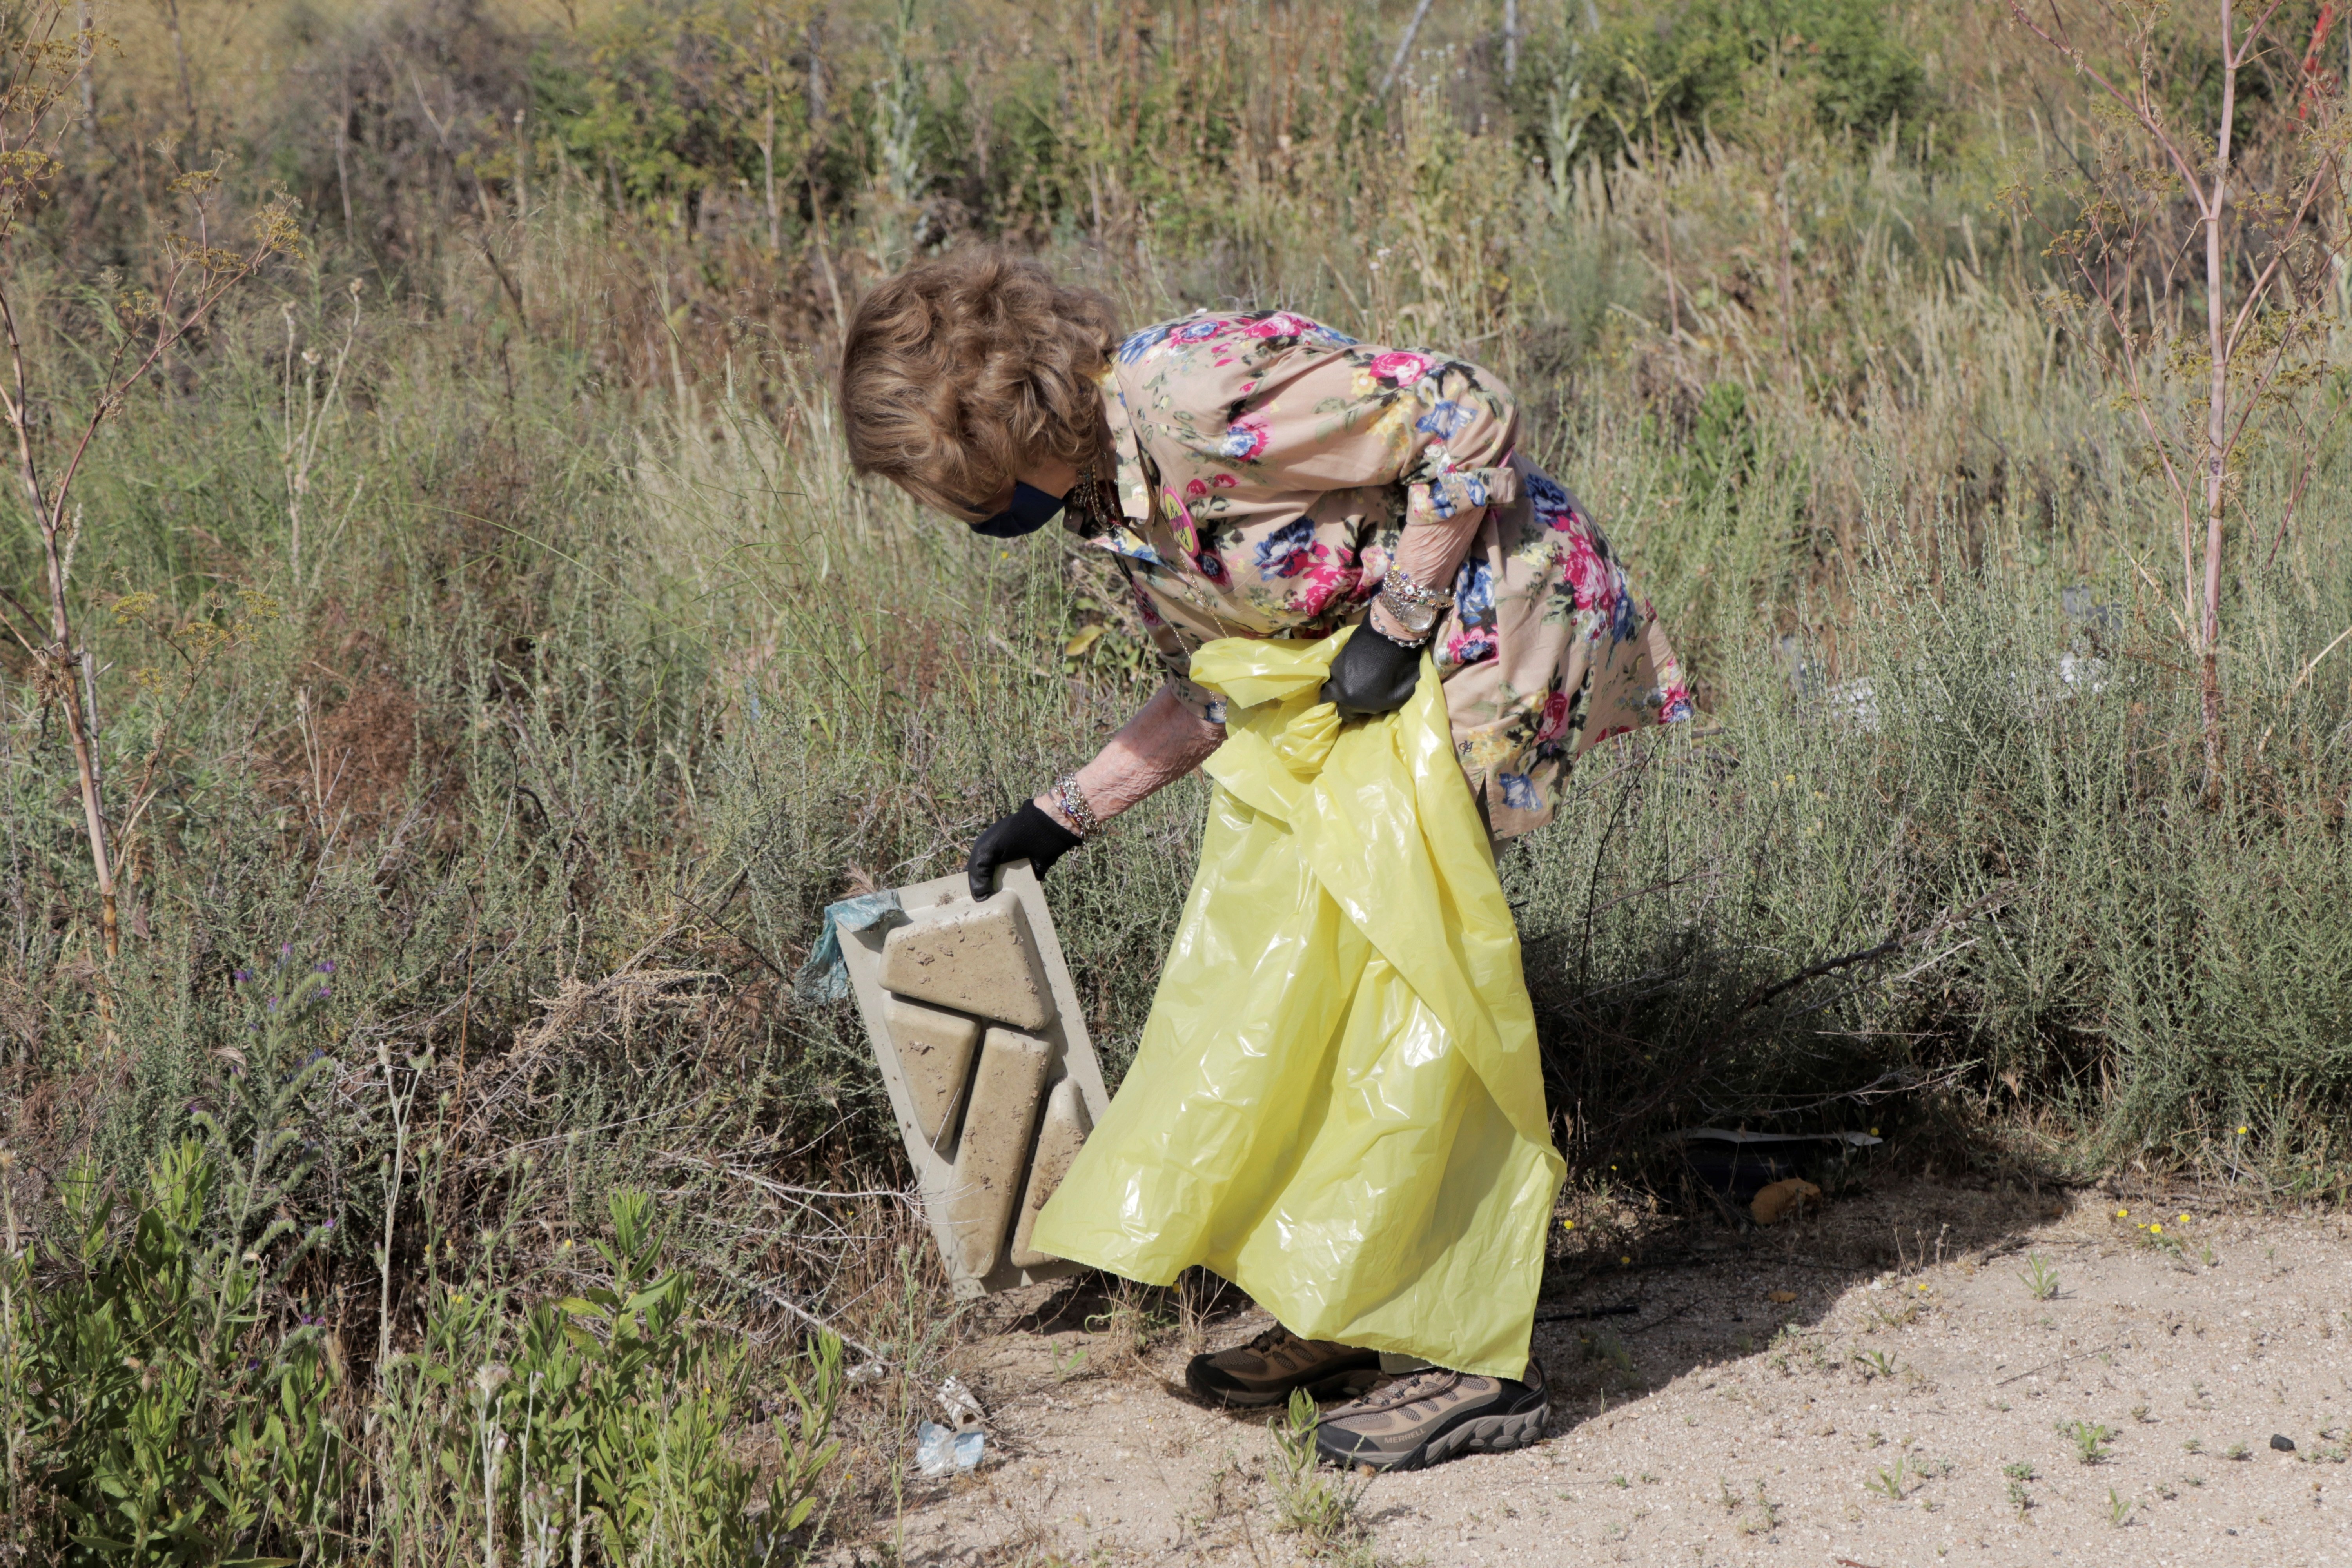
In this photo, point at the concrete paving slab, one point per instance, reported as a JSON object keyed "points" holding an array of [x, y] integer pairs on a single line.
{"points": [[974, 1180], [992, 1151], [935, 1049], [1059, 1141], [979, 959]]}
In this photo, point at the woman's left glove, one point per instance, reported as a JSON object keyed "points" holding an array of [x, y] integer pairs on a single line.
{"points": [[1027, 835], [1373, 674]]}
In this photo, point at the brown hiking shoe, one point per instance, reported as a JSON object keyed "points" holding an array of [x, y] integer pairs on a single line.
{"points": [[1265, 1370], [1427, 1417]]}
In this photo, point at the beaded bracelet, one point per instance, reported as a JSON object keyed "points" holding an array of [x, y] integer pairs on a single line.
{"points": [[1071, 802], [1415, 608], [1399, 580]]}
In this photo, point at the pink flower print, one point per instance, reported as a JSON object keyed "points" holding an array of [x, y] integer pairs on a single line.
{"points": [[1589, 577], [1554, 721], [1144, 607], [1223, 482], [1244, 439], [1469, 645], [1314, 596], [1324, 583], [1279, 324], [1399, 367], [1194, 489]]}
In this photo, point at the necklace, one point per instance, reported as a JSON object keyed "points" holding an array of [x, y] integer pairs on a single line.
{"points": [[1092, 506]]}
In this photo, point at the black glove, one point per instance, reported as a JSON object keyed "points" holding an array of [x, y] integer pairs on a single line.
{"points": [[1027, 835], [1373, 674]]}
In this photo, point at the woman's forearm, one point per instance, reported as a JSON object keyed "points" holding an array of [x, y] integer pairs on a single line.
{"points": [[1161, 744], [1430, 552]]}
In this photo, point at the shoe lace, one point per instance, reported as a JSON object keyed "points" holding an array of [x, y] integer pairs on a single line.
{"points": [[1410, 1389], [1272, 1339]]}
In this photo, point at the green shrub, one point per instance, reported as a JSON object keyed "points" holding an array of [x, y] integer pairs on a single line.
{"points": [[172, 1413]]}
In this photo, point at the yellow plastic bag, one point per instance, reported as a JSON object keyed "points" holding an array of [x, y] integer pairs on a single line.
{"points": [[1337, 1102]]}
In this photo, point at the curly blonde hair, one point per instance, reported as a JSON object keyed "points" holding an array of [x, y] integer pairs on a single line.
{"points": [[964, 369]]}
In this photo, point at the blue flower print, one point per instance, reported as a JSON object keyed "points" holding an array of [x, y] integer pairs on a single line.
{"points": [[1519, 792], [1199, 330], [1142, 342], [1474, 594], [1288, 551], [1626, 625], [1443, 419], [1245, 438]]}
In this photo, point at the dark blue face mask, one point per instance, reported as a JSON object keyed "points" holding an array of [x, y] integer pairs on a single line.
{"points": [[1031, 511]]}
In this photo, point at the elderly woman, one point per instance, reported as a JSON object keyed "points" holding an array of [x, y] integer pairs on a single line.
{"points": [[1258, 474]]}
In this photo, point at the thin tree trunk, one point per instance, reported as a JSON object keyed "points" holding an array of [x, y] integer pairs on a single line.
{"points": [[1511, 41], [768, 173], [2206, 607], [180, 58], [89, 81], [816, 68], [343, 161], [80, 700], [1404, 47]]}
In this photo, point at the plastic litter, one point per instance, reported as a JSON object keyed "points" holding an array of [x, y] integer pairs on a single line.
{"points": [[1784, 1200], [825, 977], [1337, 1102], [1741, 1135], [1739, 1163], [868, 1371], [958, 1402], [944, 1451]]}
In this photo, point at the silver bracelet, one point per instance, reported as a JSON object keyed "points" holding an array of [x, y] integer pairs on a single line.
{"points": [[1071, 802], [1415, 608], [1399, 582]]}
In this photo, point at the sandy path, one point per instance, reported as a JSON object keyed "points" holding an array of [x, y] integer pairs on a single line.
{"points": [[1874, 1418]]}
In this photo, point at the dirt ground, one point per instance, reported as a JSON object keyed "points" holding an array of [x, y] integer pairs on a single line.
{"points": [[1887, 1384]]}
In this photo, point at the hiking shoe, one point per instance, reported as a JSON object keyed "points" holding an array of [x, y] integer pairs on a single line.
{"points": [[1428, 1417], [1265, 1370]]}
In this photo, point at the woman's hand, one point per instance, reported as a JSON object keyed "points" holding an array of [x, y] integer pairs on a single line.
{"points": [[1373, 673], [1160, 744], [1027, 835]]}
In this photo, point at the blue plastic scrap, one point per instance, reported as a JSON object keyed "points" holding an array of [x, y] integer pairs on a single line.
{"points": [[826, 976]]}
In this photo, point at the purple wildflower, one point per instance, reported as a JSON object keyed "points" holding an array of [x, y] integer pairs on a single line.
{"points": [[326, 966]]}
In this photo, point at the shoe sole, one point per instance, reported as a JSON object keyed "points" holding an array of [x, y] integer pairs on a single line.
{"points": [[1329, 1386], [1479, 1435]]}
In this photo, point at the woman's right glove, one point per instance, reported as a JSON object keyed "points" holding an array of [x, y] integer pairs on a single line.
{"points": [[1372, 673], [1027, 835]]}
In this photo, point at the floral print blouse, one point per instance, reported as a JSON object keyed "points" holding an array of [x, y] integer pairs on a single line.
{"points": [[1267, 466]]}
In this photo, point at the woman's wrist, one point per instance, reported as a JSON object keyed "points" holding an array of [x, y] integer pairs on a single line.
{"points": [[1384, 621], [1046, 804]]}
